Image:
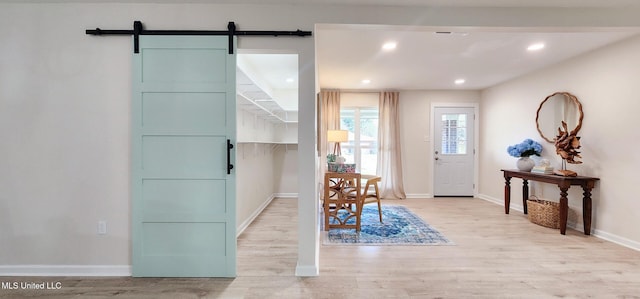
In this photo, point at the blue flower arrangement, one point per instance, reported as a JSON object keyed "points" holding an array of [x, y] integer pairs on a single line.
{"points": [[526, 148]]}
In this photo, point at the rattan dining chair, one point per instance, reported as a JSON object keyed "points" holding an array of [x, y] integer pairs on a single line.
{"points": [[371, 193], [342, 200]]}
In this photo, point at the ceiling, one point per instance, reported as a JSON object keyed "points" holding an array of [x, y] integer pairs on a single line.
{"points": [[423, 59], [426, 58], [273, 71], [432, 58]]}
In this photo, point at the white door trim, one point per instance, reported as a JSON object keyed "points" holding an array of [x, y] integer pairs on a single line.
{"points": [[476, 132]]}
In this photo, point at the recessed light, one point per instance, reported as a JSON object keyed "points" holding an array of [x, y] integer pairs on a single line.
{"points": [[366, 81], [535, 47], [290, 80], [389, 46], [459, 81]]}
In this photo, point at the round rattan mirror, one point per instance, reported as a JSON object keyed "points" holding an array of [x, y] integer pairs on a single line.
{"points": [[558, 107]]}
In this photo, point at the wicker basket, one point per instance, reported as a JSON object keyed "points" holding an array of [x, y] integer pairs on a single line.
{"points": [[543, 212]]}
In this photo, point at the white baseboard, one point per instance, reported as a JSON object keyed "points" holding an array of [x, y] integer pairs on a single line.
{"points": [[490, 199], [616, 239], [515, 205], [254, 215], [115, 270], [286, 195], [311, 270], [575, 226], [419, 195], [65, 270], [259, 210]]}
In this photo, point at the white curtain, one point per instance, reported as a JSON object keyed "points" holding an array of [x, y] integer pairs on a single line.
{"points": [[389, 157], [329, 120]]}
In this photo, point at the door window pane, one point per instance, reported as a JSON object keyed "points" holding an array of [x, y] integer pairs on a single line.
{"points": [[454, 134]]}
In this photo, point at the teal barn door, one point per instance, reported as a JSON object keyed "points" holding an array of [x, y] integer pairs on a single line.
{"points": [[183, 198]]}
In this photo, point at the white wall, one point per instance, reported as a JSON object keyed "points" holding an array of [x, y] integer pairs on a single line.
{"points": [[253, 128], [286, 133], [65, 110], [64, 117], [265, 169], [415, 135], [285, 170], [415, 127], [605, 82], [359, 99], [254, 179]]}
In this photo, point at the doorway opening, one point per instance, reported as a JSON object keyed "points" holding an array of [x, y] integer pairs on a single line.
{"points": [[266, 160]]}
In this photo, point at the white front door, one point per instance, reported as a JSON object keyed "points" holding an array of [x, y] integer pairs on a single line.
{"points": [[453, 151]]}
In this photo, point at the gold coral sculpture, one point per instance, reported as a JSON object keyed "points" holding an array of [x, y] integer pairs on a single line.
{"points": [[567, 145]]}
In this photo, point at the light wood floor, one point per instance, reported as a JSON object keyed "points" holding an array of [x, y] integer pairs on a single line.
{"points": [[495, 256]]}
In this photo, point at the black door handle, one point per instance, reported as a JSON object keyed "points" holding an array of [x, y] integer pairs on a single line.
{"points": [[229, 165]]}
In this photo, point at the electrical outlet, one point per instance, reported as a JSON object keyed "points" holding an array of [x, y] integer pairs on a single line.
{"points": [[102, 227]]}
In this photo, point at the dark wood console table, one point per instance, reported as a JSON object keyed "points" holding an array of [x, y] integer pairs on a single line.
{"points": [[587, 184]]}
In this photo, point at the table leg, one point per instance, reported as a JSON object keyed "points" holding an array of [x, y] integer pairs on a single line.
{"points": [[525, 194], [586, 207], [325, 201], [507, 194], [564, 209]]}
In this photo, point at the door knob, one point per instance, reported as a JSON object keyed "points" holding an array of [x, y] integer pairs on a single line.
{"points": [[437, 158]]}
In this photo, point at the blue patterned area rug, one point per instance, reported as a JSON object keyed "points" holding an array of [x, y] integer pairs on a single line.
{"points": [[400, 227]]}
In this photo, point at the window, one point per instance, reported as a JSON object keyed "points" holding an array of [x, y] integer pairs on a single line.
{"points": [[454, 134], [362, 147]]}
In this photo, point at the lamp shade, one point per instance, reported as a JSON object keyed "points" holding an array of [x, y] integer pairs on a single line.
{"points": [[337, 135]]}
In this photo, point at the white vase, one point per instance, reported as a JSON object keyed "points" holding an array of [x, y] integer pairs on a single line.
{"points": [[525, 164]]}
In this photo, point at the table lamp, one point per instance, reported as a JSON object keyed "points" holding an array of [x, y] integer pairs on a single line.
{"points": [[337, 136]]}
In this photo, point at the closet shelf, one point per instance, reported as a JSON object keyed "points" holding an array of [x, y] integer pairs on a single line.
{"points": [[252, 98]]}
